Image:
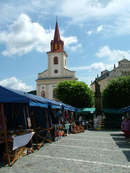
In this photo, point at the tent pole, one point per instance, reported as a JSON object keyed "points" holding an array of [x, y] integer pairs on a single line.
{"points": [[28, 117], [47, 118], [29, 125], [5, 132], [25, 118]]}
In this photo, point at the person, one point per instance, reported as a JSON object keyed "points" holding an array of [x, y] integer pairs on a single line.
{"points": [[125, 127], [90, 122], [57, 133], [67, 127], [83, 124], [52, 131]]}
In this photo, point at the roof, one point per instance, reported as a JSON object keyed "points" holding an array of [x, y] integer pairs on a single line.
{"points": [[124, 60], [50, 78], [56, 34]]}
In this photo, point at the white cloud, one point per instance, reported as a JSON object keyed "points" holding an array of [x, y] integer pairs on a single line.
{"points": [[113, 55], [80, 10], [100, 28], [75, 47], [100, 66], [11, 9], [24, 36], [69, 40], [15, 83], [115, 14], [77, 10], [121, 26], [89, 32], [87, 79], [97, 30]]}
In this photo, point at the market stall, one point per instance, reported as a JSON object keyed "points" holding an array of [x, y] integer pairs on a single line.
{"points": [[15, 122]]}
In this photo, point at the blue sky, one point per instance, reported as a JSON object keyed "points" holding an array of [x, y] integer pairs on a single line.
{"points": [[96, 34]]}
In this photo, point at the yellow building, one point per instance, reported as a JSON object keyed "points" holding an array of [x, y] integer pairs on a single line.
{"points": [[123, 69]]}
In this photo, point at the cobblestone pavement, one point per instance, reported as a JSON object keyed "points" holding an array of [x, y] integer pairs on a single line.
{"points": [[88, 152]]}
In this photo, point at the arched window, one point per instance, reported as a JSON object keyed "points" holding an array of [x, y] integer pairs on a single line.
{"points": [[55, 60], [43, 93]]}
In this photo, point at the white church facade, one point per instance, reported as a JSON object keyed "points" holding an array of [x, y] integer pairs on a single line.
{"points": [[57, 70]]}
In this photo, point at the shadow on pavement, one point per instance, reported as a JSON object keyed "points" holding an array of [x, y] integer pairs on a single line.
{"points": [[117, 134], [127, 154], [119, 139], [123, 144], [2, 163]]}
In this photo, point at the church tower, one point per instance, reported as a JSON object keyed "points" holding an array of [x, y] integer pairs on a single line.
{"points": [[57, 70]]}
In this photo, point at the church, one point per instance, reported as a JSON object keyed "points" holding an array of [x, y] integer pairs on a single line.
{"points": [[57, 70]]}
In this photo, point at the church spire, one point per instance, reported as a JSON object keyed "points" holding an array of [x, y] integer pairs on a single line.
{"points": [[57, 45], [57, 34]]}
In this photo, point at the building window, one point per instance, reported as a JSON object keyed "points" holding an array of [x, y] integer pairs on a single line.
{"points": [[42, 93], [55, 60], [55, 71]]}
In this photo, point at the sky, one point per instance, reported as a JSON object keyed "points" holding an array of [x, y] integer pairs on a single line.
{"points": [[96, 34]]}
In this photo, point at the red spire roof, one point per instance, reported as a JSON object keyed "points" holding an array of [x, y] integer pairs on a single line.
{"points": [[57, 34], [57, 45]]}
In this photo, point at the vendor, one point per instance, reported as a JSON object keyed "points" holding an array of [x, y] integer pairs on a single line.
{"points": [[125, 127]]}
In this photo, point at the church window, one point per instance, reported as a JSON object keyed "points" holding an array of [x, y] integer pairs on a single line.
{"points": [[43, 93], [55, 60], [55, 71]]}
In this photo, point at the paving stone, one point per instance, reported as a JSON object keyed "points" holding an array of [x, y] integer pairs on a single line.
{"points": [[89, 152]]}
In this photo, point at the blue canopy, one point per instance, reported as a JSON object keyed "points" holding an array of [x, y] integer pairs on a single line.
{"points": [[68, 107], [55, 105], [37, 104], [14, 96], [125, 109], [8, 95]]}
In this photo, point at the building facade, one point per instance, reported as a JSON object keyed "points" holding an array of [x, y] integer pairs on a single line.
{"points": [[57, 70], [123, 69]]}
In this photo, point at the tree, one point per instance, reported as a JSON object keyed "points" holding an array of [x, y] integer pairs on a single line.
{"points": [[117, 93], [75, 93]]}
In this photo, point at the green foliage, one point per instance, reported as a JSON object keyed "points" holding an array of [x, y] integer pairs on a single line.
{"points": [[75, 93], [117, 93]]}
